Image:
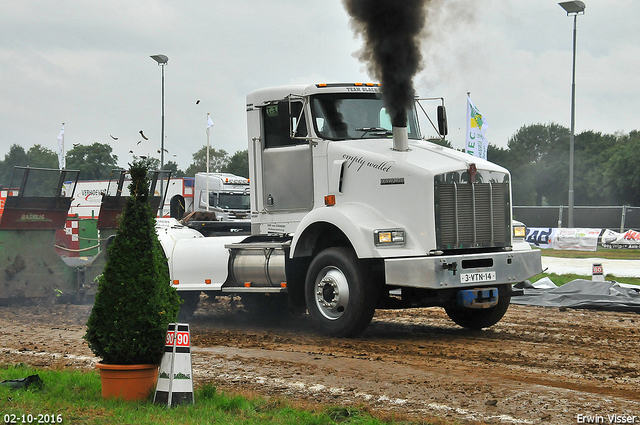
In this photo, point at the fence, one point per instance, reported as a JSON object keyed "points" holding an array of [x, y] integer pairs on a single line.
{"points": [[614, 217]]}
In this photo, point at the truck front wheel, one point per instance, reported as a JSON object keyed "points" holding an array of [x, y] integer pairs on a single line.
{"points": [[338, 299], [472, 318]]}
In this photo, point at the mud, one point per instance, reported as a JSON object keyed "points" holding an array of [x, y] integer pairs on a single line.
{"points": [[538, 365]]}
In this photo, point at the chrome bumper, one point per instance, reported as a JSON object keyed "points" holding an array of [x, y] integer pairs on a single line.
{"points": [[440, 272]]}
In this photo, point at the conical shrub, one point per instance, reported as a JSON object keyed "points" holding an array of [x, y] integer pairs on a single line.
{"points": [[134, 303]]}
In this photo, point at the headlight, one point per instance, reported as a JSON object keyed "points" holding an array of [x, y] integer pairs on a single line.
{"points": [[388, 237], [519, 231]]}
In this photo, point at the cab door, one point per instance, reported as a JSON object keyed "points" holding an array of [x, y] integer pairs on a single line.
{"points": [[287, 172]]}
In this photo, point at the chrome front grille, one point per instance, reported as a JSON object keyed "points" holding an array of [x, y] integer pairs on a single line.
{"points": [[472, 215]]}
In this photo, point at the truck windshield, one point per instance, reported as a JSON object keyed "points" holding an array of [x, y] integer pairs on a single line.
{"points": [[340, 116], [230, 201]]}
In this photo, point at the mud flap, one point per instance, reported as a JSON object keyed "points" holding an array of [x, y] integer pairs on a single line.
{"points": [[478, 298]]}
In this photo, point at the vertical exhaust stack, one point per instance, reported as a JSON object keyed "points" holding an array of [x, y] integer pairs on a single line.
{"points": [[400, 139], [399, 130], [392, 30]]}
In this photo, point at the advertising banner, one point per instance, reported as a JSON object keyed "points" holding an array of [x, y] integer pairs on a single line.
{"points": [[561, 238], [542, 237], [627, 240], [576, 239]]}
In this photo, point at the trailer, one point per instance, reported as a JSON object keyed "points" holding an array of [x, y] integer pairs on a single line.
{"points": [[87, 197]]}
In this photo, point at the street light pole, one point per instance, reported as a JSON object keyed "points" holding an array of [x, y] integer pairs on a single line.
{"points": [[162, 61], [573, 8]]}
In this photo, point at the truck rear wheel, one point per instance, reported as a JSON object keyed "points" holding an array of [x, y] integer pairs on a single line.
{"points": [[338, 299], [472, 318]]}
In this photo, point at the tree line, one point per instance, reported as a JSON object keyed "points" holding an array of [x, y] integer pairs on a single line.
{"points": [[96, 161], [606, 166]]}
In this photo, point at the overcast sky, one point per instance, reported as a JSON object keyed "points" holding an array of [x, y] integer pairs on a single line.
{"points": [[86, 63]]}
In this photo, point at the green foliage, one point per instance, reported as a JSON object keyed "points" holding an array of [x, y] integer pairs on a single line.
{"points": [[537, 158], [239, 164], [622, 170], [611, 254], [41, 157], [218, 160], [606, 167], [561, 279], [154, 163], [37, 156], [175, 171], [135, 302], [95, 161]]}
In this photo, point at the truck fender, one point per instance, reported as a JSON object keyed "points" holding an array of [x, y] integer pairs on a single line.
{"points": [[357, 223], [168, 235]]}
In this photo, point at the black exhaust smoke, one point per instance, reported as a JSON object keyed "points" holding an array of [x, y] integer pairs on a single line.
{"points": [[391, 30]]}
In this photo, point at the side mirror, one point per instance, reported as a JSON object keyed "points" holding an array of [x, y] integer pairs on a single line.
{"points": [[204, 201], [443, 128]]}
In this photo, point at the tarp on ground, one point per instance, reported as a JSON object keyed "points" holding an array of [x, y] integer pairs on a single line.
{"points": [[581, 293]]}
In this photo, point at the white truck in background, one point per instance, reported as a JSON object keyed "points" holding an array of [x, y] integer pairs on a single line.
{"points": [[88, 194], [228, 196], [350, 214]]}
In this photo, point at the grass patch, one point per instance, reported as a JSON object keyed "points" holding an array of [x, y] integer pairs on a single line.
{"points": [[75, 397], [609, 254], [561, 279]]}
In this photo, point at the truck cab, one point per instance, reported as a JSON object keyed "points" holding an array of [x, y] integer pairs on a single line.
{"points": [[225, 194], [350, 214]]}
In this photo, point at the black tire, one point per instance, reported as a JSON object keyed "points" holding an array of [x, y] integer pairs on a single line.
{"points": [[189, 306], [339, 298], [472, 318], [177, 207]]}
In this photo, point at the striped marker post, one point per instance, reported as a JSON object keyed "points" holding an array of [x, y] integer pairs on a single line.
{"points": [[175, 383], [597, 273]]}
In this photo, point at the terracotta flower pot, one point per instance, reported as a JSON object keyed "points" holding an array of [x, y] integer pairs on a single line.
{"points": [[131, 382]]}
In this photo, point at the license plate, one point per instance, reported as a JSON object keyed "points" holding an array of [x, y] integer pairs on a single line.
{"points": [[477, 277]]}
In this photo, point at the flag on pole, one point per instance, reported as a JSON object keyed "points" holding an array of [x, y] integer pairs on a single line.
{"points": [[209, 122], [477, 125], [61, 159]]}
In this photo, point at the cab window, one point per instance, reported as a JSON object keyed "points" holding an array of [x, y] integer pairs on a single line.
{"points": [[278, 124]]}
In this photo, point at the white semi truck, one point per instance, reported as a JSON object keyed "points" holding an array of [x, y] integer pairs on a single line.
{"points": [[228, 196], [350, 214]]}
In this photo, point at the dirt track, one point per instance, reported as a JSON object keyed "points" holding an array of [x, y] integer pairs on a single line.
{"points": [[538, 365]]}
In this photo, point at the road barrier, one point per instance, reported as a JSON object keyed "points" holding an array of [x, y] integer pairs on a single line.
{"points": [[175, 382]]}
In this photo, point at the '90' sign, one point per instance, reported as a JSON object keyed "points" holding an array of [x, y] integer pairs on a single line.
{"points": [[181, 339]]}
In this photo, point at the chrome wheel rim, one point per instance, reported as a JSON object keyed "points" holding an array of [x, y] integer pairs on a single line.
{"points": [[331, 293]]}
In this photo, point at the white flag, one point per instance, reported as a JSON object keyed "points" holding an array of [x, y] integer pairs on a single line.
{"points": [[61, 159], [209, 122], [477, 143]]}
